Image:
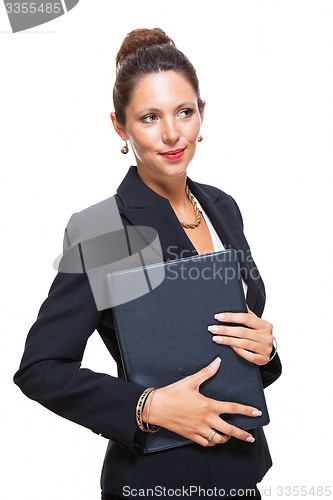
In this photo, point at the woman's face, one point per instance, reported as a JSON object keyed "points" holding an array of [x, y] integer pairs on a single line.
{"points": [[162, 124]]}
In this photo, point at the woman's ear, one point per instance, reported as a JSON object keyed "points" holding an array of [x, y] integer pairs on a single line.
{"points": [[120, 129], [203, 110]]}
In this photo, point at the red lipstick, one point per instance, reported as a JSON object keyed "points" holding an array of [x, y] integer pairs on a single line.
{"points": [[173, 155]]}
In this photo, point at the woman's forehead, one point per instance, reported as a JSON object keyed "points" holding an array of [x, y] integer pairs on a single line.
{"points": [[162, 89]]}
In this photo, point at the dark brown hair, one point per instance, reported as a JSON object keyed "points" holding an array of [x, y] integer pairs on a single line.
{"points": [[145, 51]]}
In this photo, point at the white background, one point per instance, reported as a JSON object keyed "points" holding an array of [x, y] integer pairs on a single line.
{"points": [[265, 69]]}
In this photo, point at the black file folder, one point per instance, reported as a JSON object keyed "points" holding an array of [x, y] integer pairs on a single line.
{"points": [[163, 337]]}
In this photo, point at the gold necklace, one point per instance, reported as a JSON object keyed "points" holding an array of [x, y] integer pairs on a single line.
{"points": [[196, 209]]}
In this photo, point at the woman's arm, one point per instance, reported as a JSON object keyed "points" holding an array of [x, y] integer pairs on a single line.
{"points": [[271, 370], [50, 371]]}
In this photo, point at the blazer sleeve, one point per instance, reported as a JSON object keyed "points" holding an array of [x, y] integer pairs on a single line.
{"points": [[50, 371], [273, 369]]}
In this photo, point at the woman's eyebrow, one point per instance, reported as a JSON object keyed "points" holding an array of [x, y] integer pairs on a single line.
{"points": [[184, 104], [148, 110]]}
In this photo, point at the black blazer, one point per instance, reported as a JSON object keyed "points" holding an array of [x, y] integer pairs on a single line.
{"points": [[50, 370]]}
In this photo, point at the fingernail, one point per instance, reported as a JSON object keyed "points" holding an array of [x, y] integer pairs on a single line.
{"points": [[218, 339], [250, 439], [216, 362], [219, 316], [256, 413], [234, 348], [213, 329]]}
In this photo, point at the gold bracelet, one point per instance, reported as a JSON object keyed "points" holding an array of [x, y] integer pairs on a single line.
{"points": [[275, 347], [139, 407], [154, 427]]}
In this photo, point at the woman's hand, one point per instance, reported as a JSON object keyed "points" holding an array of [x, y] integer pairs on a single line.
{"points": [[253, 343], [181, 408]]}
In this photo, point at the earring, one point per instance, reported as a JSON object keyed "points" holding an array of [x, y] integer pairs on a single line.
{"points": [[200, 138], [124, 150]]}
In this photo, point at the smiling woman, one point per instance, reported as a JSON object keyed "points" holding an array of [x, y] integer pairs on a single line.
{"points": [[159, 111], [164, 135]]}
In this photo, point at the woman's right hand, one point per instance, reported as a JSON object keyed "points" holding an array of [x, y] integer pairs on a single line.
{"points": [[181, 408]]}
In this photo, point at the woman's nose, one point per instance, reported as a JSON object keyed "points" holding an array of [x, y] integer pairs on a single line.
{"points": [[170, 132]]}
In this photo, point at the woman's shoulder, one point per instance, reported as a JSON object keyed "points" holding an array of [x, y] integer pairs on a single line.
{"points": [[94, 220], [211, 189], [215, 191], [220, 196], [86, 233]]}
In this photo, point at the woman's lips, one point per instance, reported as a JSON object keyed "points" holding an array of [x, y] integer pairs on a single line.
{"points": [[173, 155]]}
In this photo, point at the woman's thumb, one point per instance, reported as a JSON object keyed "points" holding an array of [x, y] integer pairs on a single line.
{"points": [[208, 371]]}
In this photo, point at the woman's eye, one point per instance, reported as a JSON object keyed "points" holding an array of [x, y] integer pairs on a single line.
{"points": [[186, 112], [149, 118]]}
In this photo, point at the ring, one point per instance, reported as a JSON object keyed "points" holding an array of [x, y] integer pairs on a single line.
{"points": [[211, 436]]}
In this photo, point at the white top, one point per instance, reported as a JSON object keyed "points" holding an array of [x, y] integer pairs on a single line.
{"points": [[217, 243]]}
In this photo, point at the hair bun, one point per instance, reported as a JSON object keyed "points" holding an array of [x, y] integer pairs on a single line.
{"points": [[139, 39]]}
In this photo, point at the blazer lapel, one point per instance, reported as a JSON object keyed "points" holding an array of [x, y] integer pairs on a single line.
{"points": [[139, 205]]}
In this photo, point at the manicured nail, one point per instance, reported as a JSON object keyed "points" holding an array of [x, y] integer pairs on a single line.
{"points": [[234, 348], [218, 339], [219, 316], [216, 362], [250, 439], [213, 329], [256, 413]]}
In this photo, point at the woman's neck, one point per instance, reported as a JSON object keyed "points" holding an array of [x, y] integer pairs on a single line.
{"points": [[172, 188]]}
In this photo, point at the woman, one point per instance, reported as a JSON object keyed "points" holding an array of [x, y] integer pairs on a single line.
{"points": [[158, 110]]}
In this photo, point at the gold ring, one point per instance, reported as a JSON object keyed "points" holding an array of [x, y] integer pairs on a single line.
{"points": [[211, 436]]}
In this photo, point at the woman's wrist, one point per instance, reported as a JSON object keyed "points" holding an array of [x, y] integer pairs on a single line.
{"points": [[143, 410], [274, 349], [150, 404]]}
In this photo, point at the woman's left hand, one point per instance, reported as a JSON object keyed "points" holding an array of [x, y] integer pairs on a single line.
{"points": [[254, 343]]}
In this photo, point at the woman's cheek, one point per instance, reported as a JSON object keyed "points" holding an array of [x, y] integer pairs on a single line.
{"points": [[147, 140], [193, 132]]}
